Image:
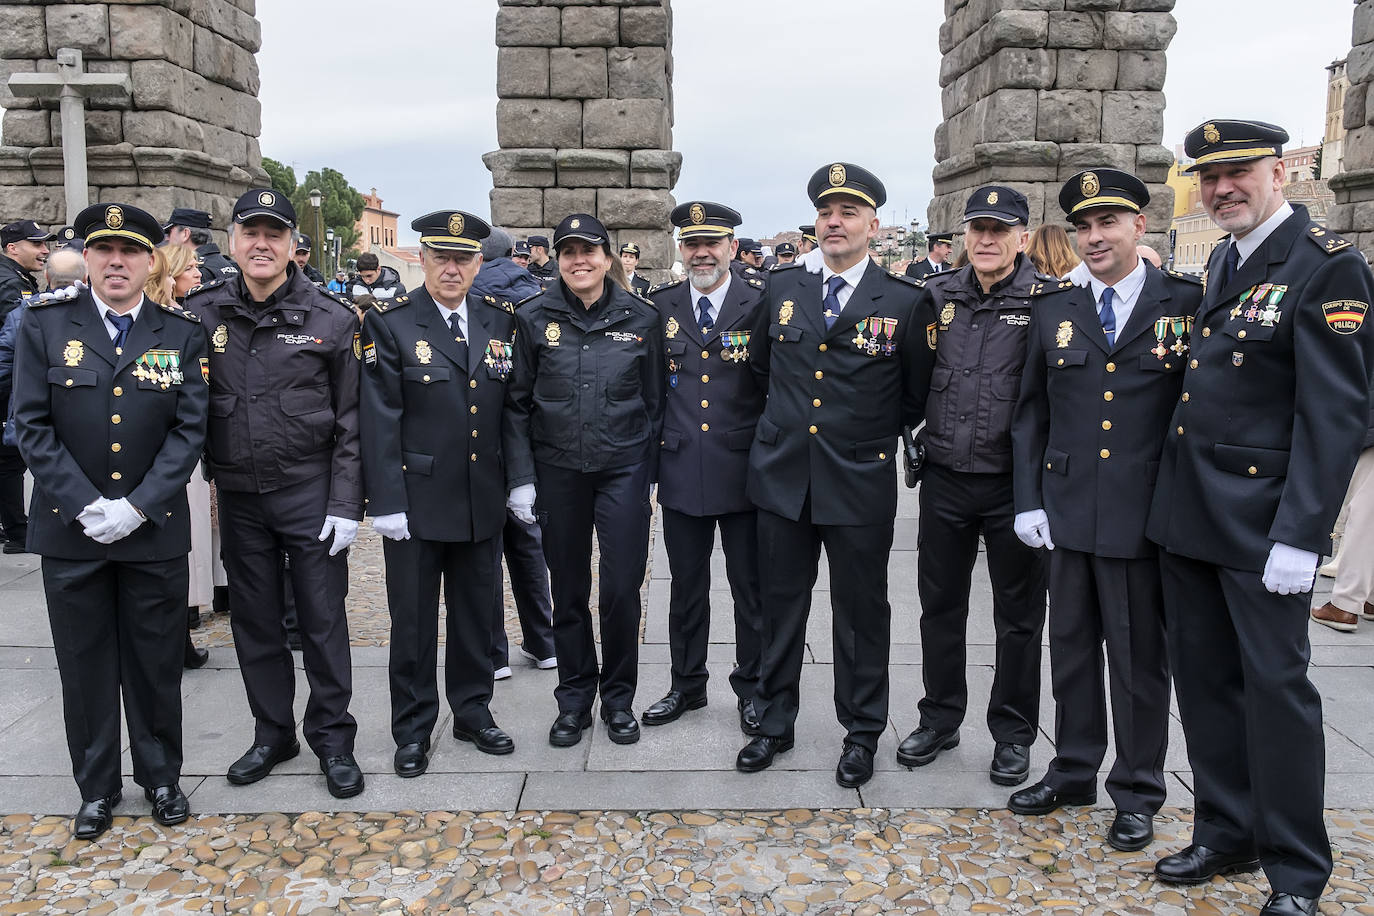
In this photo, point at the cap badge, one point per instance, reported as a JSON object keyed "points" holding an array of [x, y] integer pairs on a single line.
{"points": [[69, 233], [114, 218], [455, 224], [575, 224], [698, 214], [992, 197], [837, 175], [1090, 185], [267, 198], [1210, 133]]}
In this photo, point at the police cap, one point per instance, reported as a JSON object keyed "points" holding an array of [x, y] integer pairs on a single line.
{"points": [[521, 249], [936, 238], [1095, 188], [750, 245], [809, 233], [265, 202], [785, 248], [704, 219], [451, 230], [630, 248], [582, 226], [846, 178], [1006, 205], [1233, 141], [104, 221], [304, 244], [191, 219], [538, 241], [23, 230]]}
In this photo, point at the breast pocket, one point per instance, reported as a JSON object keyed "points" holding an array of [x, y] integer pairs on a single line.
{"points": [[1250, 331], [224, 447], [309, 419], [425, 375], [72, 377], [786, 333], [1065, 359]]}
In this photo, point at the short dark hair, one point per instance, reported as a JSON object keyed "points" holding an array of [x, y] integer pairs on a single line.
{"points": [[200, 236], [368, 261]]}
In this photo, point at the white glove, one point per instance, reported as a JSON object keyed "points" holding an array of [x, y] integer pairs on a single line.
{"points": [[93, 516], [1290, 571], [1033, 528], [1080, 275], [813, 260], [395, 526], [121, 518], [343, 529], [521, 503]]}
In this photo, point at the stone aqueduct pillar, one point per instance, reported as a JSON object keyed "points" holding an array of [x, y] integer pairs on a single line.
{"points": [[187, 138], [1353, 215]]}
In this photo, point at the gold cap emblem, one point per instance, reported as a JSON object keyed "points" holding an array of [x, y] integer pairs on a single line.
{"points": [[838, 176], [1090, 185], [698, 214], [575, 224], [267, 198], [455, 224], [992, 197], [114, 217], [1210, 133]]}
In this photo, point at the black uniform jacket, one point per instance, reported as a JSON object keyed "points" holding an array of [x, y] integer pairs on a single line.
{"points": [[283, 389], [980, 351], [16, 285], [639, 285], [432, 415], [1090, 462], [213, 264], [92, 423], [922, 268], [587, 390], [714, 399], [1275, 404], [837, 399]]}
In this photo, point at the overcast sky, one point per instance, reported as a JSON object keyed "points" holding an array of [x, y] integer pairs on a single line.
{"points": [[401, 95]]}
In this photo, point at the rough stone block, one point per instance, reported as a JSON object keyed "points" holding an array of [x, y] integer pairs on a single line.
{"points": [[517, 206], [155, 200], [1153, 162], [1076, 29], [227, 18], [1355, 103], [634, 208], [162, 128], [22, 32], [1101, 5], [84, 26], [223, 61], [1141, 70], [589, 26], [560, 203], [1015, 29], [638, 73], [592, 168], [27, 127], [657, 250], [644, 26], [114, 164], [145, 32], [229, 145], [625, 124], [1006, 115], [44, 203], [1017, 68], [1132, 117], [1358, 149], [1086, 70], [1359, 64], [1139, 31], [522, 168], [9, 100], [158, 84], [1362, 30], [655, 168], [103, 128], [577, 73], [539, 124], [528, 27], [1341, 218], [522, 73], [1075, 157], [1147, 6], [1069, 116]]}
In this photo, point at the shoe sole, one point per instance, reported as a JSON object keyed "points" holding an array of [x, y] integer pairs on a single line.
{"points": [[695, 704], [623, 739], [1131, 847], [912, 760], [852, 784], [172, 822], [1234, 868], [758, 768], [538, 662], [420, 772], [348, 792], [1003, 778], [495, 752], [1065, 801], [1336, 625], [248, 781], [570, 740]]}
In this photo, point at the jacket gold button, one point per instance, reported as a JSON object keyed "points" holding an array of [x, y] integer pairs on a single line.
{"points": [[55, 512], [705, 403], [706, 427], [118, 391], [705, 379], [116, 447], [705, 354], [814, 430], [474, 456], [1106, 424], [1180, 430], [820, 374], [1185, 397], [472, 384], [115, 419], [426, 378], [70, 383], [1192, 364], [882, 456], [1111, 367], [403, 467], [116, 476], [1107, 395], [823, 348], [474, 434], [1060, 363], [1253, 471], [1049, 465], [472, 409], [1206, 332], [1105, 453], [816, 402], [1241, 334]]}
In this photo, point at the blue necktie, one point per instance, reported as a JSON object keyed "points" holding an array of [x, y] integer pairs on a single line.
{"points": [[122, 324], [832, 300], [704, 319], [458, 336], [1229, 265], [1107, 316]]}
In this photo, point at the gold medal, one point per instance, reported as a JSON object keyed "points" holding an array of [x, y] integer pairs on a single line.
{"points": [[423, 352], [671, 331], [74, 352], [785, 312], [1064, 334]]}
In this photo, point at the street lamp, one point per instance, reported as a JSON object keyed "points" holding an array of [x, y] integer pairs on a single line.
{"points": [[316, 197], [333, 261], [915, 229]]}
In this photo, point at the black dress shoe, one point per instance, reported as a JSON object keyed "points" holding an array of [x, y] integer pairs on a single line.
{"points": [[194, 658], [855, 767], [1131, 831], [259, 761], [1289, 905], [1042, 799], [924, 745], [489, 740], [95, 816], [759, 753], [342, 775], [748, 718], [170, 805], [1010, 764], [220, 603], [1197, 864], [15, 547], [671, 707], [567, 729], [412, 759], [621, 726]]}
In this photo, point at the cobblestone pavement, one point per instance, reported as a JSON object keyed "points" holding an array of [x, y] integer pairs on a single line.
{"points": [[821, 863]]}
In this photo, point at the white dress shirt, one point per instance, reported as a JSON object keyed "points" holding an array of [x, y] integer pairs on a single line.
{"points": [[1126, 292], [461, 310], [101, 308], [852, 276], [716, 298], [1246, 246]]}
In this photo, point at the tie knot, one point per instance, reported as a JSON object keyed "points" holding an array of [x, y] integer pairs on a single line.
{"points": [[122, 322], [835, 284], [1108, 295]]}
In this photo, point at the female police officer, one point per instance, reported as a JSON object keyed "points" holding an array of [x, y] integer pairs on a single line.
{"points": [[585, 415]]}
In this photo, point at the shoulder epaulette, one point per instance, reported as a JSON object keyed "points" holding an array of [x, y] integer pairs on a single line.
{"points": [[501, 305], [757, 283], [204, 287], [669, 285], [180, 312], [749, 270], [1179, 275], [645, 299], [905, 279], [1052, 285], [386, 305], [529, 298], [788, 266], [1326, 240], [53, 296], [1046, 278]]}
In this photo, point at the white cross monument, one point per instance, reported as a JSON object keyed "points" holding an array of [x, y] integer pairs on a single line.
{"points": [[72, 86]]}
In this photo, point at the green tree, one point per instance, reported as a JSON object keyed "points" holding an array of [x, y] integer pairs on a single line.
{"points": [[341, 207], [283, 176], [1317, 163]]}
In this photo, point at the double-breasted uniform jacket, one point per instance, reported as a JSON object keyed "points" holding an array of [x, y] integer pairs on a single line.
{"points": [[1275, 402], [283, 389], [714, 399], [432, 415], [1090, 420], [837, 399], [95, 423]]}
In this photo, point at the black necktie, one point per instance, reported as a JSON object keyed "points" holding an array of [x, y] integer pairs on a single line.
{"points": [[122, 325], [458, 336], [1229, 265], [704, 319]]}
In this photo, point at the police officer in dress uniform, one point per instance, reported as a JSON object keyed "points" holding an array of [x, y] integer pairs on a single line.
{"points": [[1262, 442], [849, 364], [787, 253], [586, 401], [65, 237], [808, 241], [110, 406], [629, 259], [714, 401], [980, 341], [434, 385], [938, 247], [1085, 470], [285, 454]]}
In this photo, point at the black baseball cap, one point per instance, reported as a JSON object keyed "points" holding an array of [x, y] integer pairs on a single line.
{"points": [[191, 219], [582, 226], [538, 241], [304, 244], [1006, 205], [265, 202], [24, 230], [785, 248]]}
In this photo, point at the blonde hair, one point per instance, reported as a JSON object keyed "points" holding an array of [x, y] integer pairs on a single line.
{"points": [[1051, 252], [157, 287]]}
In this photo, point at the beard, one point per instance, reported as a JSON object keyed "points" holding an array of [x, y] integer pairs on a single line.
{"points": [[703, 277]]}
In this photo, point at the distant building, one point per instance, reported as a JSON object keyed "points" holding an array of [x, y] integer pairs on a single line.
{"points": [[377, 226], [1298, 164], [1333, 142]]}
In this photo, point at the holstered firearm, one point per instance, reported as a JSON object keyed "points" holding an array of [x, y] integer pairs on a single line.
{"points": [[914, 457]]}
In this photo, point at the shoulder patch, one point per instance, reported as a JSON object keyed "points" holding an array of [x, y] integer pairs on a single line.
{"points": [[669, 285], [1179, 275], [204, 287], [905, 279], [1327, 240], [180, 312]]}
